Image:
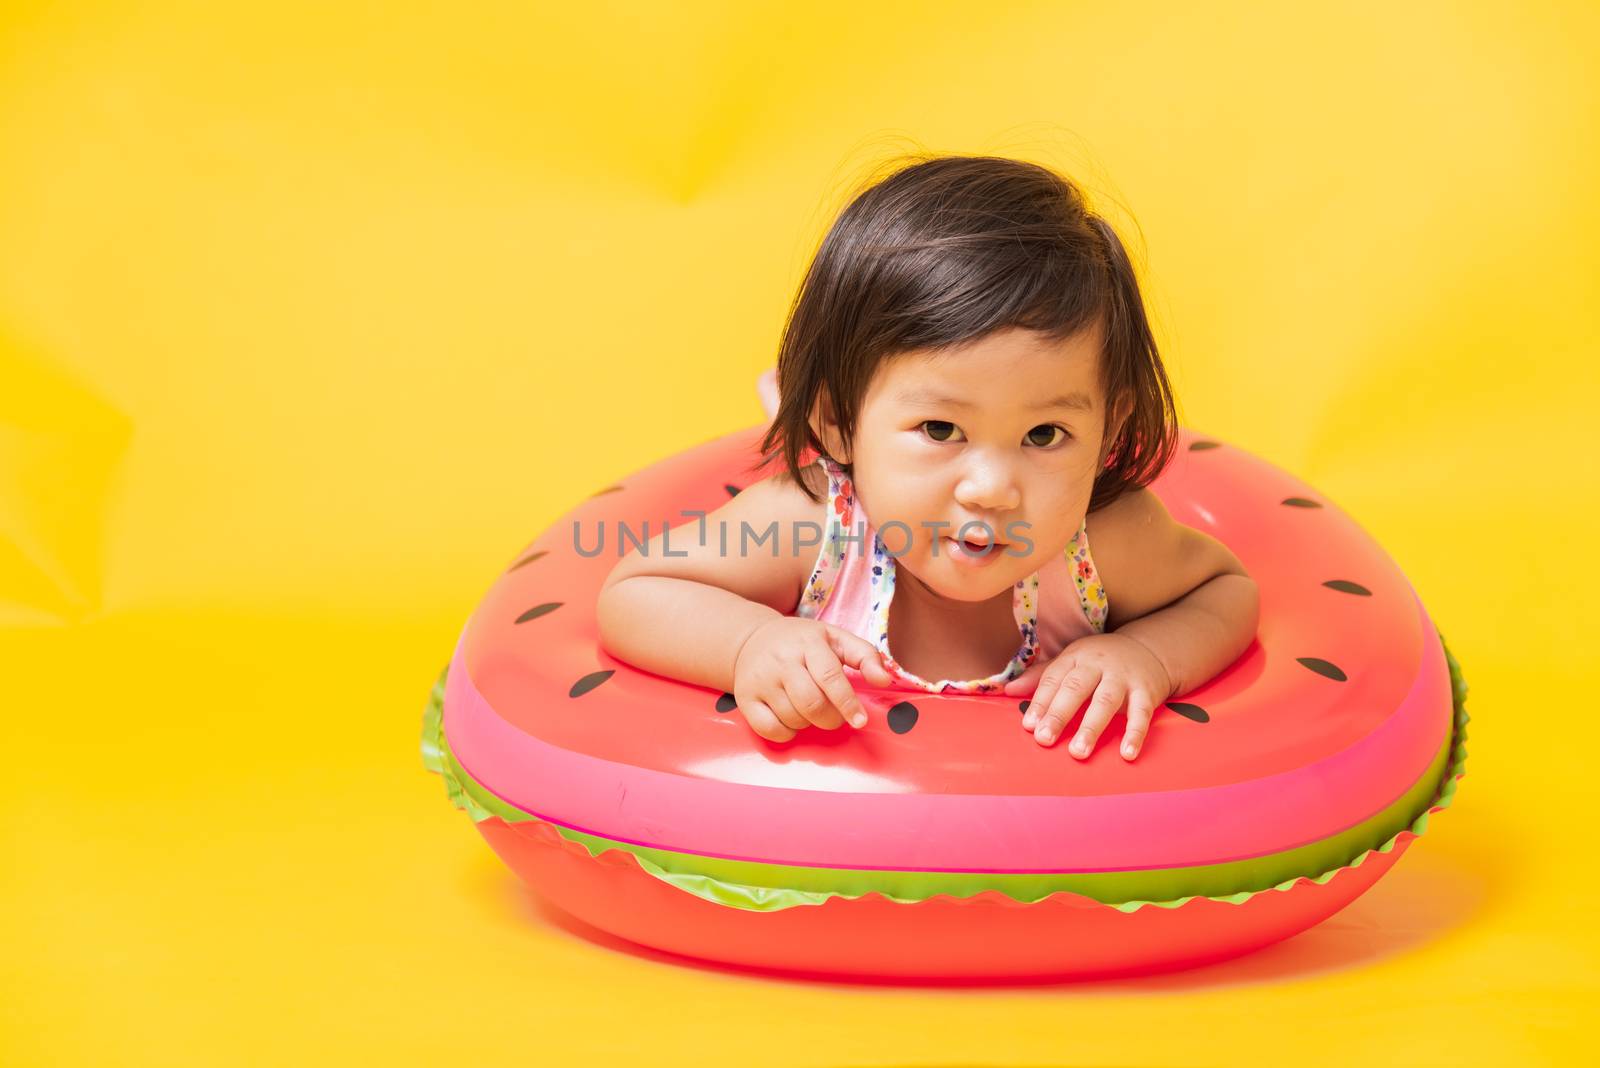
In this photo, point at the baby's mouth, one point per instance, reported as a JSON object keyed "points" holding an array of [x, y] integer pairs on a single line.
{"points": [[976, 548]]}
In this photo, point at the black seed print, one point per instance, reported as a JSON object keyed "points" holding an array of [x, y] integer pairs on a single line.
{"points": [[538, 610], [1024, 705], [1201, 446], [726, 703], [530, 558], [1322, 667], [1347, 587], [1188, 711], [733, 491], [902, 717], [589, 682], [1299, 502]]}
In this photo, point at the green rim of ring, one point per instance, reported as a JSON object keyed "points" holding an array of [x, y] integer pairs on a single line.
{"points": [[768, 887]]}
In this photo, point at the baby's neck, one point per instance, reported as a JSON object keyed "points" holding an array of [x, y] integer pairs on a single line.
{"points": [[937, 637]]}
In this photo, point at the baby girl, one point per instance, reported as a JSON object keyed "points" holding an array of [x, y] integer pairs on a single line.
{"points": [[969, 364]]}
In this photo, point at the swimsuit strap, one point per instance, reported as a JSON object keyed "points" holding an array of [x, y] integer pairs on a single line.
{"points": [[841, 509], [1090, 592]]}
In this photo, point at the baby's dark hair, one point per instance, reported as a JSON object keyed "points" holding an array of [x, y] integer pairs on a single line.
{"points": [[947, 250]]}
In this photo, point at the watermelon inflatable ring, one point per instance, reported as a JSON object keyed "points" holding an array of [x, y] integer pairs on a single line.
{"points": [[941, 841]]}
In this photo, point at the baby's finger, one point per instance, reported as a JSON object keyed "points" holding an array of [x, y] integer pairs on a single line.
{"points": [[1107, 699], [764, 722], [859, 653], [1141, 706], [827, 673], [1049, 682], [1027, 682], [783, 708], [808, 699], [1065, 702]]}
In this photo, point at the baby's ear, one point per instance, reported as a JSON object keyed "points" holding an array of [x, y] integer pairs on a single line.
{"points": [[1116, 420], [1124, 411], [825, 426]]}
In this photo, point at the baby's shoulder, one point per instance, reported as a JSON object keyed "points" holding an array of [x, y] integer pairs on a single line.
{"points": [[1131, 540], [1134, 514], [1146, 559], [760, 544], [778, 527], [780, 496]]}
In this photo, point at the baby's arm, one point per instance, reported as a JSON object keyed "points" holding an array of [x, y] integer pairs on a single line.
{"points": [[1177, 590], [687, 616]]}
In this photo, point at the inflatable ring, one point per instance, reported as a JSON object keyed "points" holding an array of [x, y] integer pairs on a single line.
{"points": [[940, 840]]}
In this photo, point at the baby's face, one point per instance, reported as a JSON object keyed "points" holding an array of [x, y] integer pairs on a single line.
{"points": [[1004, 434]]}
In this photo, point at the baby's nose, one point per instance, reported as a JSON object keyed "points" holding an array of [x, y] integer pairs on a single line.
{"points": [[993, 493]]}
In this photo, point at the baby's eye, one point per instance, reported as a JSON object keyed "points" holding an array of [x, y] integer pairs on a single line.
{"points": [[939, 429], [1047, 429]]}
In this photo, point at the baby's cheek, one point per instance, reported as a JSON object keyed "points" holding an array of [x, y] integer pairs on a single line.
{"points": [[1044, 541]]}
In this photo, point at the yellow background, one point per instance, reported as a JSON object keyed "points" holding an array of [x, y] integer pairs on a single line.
{"points": [[312, 315]]}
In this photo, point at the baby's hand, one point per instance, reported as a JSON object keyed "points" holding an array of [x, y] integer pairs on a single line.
{"points": [[1122, 668], [789, 674]]}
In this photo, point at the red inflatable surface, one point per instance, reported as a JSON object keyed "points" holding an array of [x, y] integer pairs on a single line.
{"points": [[1271, 796]]}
